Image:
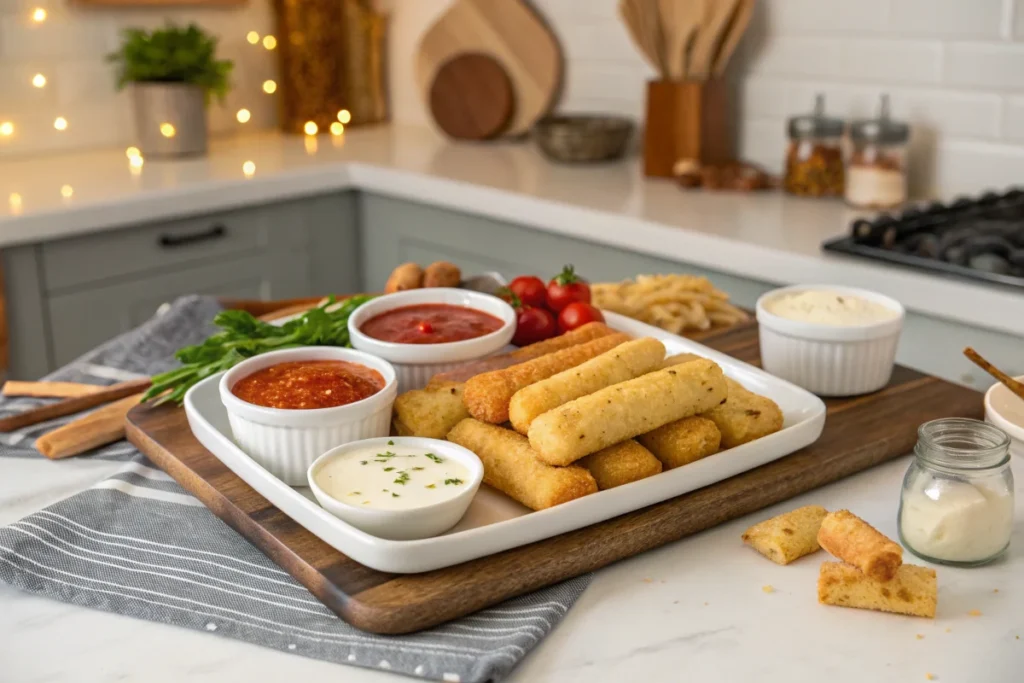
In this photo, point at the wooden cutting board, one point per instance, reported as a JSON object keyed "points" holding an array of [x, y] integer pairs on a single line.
{"points": [[509, 31], [471, 97], [859, 433]]}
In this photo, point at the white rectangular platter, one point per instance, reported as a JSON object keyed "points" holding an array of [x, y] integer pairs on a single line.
{"points": [[495, 522]]}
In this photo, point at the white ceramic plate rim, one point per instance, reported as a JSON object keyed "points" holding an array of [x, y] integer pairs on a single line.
{"points": [[1012, 429], [818, 332], [461, 546]]}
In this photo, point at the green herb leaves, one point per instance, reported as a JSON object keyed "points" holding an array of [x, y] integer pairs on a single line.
{"points": [[403, 477], [452, 482], [433, 457]]}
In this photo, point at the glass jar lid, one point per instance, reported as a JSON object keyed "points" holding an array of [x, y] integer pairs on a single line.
{"points": [[962, 444], [816, 124], [881, 130]]}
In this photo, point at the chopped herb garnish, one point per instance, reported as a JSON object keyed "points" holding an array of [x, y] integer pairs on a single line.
{"points": [[417, 469], [391, 443], [431, 486], [354, 493], [362, 462], [385, 491], [449, 482], [388, 469], [434, 457], [402, 478], [394, 495]]}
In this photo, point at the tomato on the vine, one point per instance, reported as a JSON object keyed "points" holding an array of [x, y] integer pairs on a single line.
{"points": [[566, 288], [533, 325], [578, 314], [530, 290]]}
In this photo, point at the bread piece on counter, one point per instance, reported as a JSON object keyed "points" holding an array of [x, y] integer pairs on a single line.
{"points": [[430, 412], [913, 590], [788, 536], [620, 464], [856, 542]]}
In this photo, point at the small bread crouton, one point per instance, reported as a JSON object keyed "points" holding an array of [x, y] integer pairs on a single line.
{"points": [[913, 590], [856, 542], [789, 536]]}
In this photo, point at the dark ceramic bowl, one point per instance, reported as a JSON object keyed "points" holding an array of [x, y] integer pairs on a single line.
{"points": [[583, 138]]}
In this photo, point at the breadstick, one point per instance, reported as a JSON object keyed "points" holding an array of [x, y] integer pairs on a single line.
{"points": [[487, 396], [50, 389], [683, 441], [511, 466], [442, 274], [70, 406], [622, 411], [430, 412], [856, 542], [745, 416], [405, 276], [98, 428], [580, 335], [620, 464], [624, 362]]}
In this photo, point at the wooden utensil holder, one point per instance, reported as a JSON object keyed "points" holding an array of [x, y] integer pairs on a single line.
{"points": [[686, 120]]}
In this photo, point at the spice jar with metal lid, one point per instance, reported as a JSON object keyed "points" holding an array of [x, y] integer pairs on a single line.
{"points": [[876, 177], [814, 159]]}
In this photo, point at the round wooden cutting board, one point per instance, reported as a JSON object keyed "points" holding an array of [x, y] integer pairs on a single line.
{"points": [[509, 31], [471, 97]]}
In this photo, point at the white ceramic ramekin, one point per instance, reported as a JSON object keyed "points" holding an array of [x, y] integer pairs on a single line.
{"points": [[1005, 410], [830, 360], [415, 364], [286, 442], [403, 525]]}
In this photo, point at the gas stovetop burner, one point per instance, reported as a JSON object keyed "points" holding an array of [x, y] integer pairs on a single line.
{"points": [[980, 238]]}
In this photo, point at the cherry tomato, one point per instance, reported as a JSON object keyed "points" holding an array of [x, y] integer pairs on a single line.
{"points": [[530, 290], [578, 314], [566, 288], [533, 325]]}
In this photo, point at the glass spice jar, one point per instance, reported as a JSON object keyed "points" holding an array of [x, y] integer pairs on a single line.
{"points": [[876, 176], [956, 505], [814, 158]]}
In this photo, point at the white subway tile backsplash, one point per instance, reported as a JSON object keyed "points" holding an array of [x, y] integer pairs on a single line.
{"points": [[981, 65], [1013, 119], [55, 38], [966, 167], [826, 16], [891, 61], [947, 18], [808, 57]]}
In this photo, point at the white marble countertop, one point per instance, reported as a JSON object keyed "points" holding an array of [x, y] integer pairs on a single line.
{"points": [[768, 237], [692, 610]]}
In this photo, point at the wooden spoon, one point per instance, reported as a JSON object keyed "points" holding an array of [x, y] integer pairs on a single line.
{"points": [[680, 20], [1009, 382], [709, 37], [737, 27]]}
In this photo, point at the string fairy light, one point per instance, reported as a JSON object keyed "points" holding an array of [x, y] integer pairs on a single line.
{"points": [[60, 123], [249, 169], [39, 15], [344, 116], [6, 129], [66, 191], [337, 128], [14, 201], [310, 128], [269, 42], [39, 80], [269, 87], [168, 130], [132, 151], [243, 115], [252, 37]]}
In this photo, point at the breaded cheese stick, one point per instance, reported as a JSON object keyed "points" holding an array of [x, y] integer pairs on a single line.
{"points": [[430, 412], [745, 416], [487, 396], [856, 542], [913, 590], [679, 359], [622, 411], [511, 466], [626, 361], [580, 335], [683, 441], [788, 536], [620, 464]]}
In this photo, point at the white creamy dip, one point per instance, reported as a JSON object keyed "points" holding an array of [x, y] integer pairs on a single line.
{"points": [[956, 521], [829, 308], [392, 477]]}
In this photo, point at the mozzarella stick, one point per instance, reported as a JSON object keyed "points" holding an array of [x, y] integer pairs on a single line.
{"points": [[622, 411], [620, 464], [511, 466], [580, 335], [856, 542], [487, 396], [430, 412], [678, 359], [745, 416], [624, 362], [683, 441]]}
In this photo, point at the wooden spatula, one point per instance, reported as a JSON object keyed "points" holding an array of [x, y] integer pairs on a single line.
{"points": [[680, 20], [737, 27], [708, 38]]}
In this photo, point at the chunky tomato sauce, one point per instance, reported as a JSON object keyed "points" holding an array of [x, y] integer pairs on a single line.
{"points": [[308, 384], [430, 324]]}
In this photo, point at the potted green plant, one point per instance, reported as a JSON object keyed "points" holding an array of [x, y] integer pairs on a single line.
{"points": [[174, 73]]}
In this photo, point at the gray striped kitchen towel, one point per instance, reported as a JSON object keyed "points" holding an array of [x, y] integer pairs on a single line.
{"points": [[140, 545]]}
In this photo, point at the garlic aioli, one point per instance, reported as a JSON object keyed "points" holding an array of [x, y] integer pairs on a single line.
{"points": [[829, 308], [392, 477]]}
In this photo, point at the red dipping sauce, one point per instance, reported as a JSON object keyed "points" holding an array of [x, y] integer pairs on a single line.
{"points": [[307, 384], [430, 324]]}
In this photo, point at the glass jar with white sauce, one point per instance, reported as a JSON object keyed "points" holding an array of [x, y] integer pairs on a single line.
{"points": [[876, 174], [956, 506]]}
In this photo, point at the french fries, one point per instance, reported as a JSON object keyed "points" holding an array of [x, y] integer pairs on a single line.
{"points": [[676, 303]]}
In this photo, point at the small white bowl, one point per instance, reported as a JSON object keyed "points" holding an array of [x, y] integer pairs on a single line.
{"points": [[286, 442], [415, 364], [830, 360], [1005, 410], [402, 525]]}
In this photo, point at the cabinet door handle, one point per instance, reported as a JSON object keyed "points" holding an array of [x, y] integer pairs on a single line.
{"points": [[215, 233]]}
